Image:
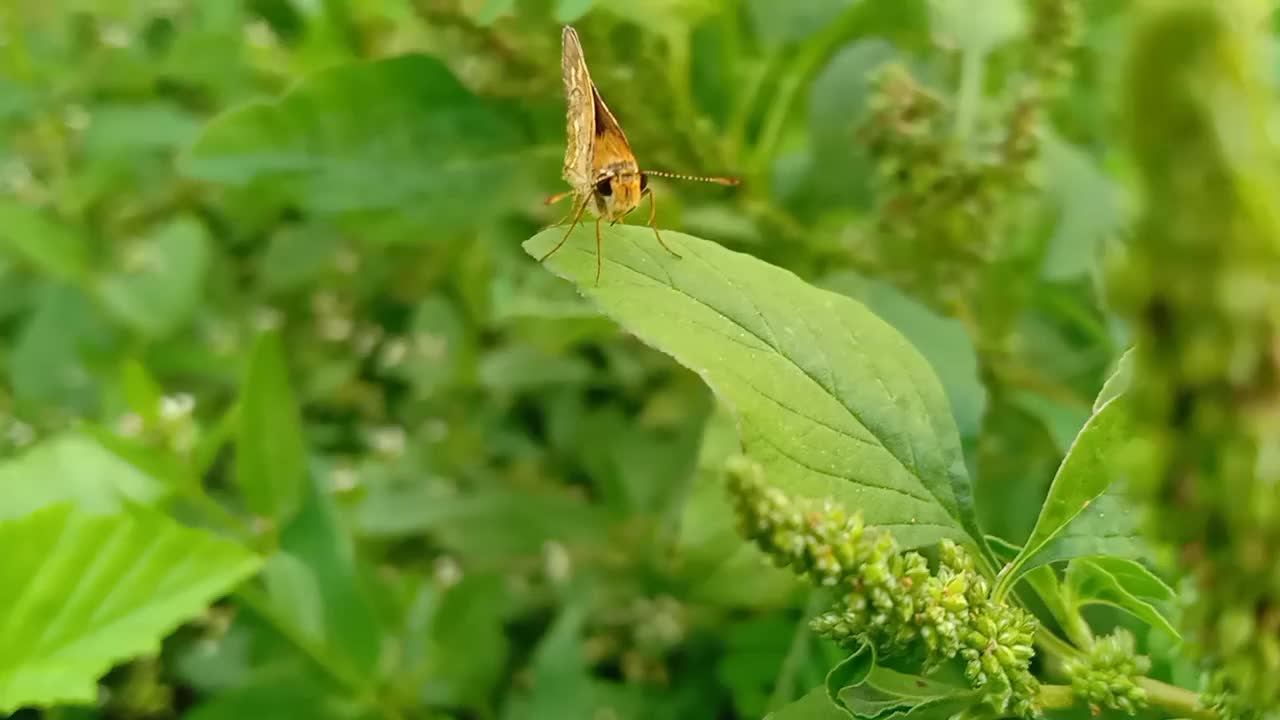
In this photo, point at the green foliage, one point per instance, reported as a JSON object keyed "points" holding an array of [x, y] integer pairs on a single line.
{"points": [[90, 590], [775, 351], [278, 383]]}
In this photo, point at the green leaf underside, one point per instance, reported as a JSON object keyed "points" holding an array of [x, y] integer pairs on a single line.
{"points": [[829, 399], [400, 134], [83, 592], [868, 691], [1122, 584]]}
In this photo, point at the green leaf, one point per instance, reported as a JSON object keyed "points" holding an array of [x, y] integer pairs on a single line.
{"points": [[317, 538], [944, 342], [165, 288], [568, 11], [270, 453], [1086, 473], [48, 365], [400, 135], [815, 705], [880, 693], [84, 592], [787, 22], [1120, 583], [56, 248], [850, 672], [828, 397], [998, 22], [720, 568], [73, 468]]}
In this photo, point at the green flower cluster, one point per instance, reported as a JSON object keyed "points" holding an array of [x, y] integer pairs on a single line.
{"points": [[891, 599], [953, 197], [1107, 677], [1201, 282]]}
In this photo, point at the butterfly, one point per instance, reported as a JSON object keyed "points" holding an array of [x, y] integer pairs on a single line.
{"points": [[599, 165]]}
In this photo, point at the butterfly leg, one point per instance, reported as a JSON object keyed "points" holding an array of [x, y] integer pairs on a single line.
{"points": [[576, 217], [653, 214], [599, 254]]}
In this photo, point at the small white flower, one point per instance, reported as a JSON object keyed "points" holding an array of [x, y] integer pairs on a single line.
{"points": [[175, 407], [347, 261], [259, 34], [336, 328], [115, 35], [394, 352], [344, 479], [447, 571], [129, 425], [266, 319], [556, 562], [76, 118], [388, 440]]}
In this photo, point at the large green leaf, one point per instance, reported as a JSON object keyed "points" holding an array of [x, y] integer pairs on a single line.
{"points": [[73, 468], [828, 397], [399, 135], [270, 453], [83, 592]]}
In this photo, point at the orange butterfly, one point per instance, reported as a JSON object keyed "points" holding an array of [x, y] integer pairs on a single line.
{"points": [[598, 162]]}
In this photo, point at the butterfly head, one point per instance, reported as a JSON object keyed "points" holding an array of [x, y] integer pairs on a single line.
{"points": [[619, 193]]}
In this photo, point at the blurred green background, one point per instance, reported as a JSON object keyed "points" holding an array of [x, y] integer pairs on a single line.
{"points": [[511, 509]]}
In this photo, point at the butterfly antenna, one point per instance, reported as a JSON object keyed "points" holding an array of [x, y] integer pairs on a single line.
{"points": [[697, 178]]}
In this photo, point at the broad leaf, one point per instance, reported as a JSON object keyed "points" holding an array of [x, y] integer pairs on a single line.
{"points": [[400, 134], [1120, 583], [829, 398], [270, 454], [73, 468], [83, 592]]}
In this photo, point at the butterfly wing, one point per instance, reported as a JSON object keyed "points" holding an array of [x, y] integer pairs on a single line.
{"points": [[580, 115], [611, 147]]}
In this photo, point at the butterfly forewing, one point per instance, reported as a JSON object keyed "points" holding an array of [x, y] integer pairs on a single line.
{"points": [[580, 113]]}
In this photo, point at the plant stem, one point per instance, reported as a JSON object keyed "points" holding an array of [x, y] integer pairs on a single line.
{"points": [[1178, 701], [1057, 697], [969, 95]]}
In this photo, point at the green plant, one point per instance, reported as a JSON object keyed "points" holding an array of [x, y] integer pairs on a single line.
{"points": [[291, 427]]}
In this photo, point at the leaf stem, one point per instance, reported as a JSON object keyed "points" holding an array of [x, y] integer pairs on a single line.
{"points": [[1178, 701]]}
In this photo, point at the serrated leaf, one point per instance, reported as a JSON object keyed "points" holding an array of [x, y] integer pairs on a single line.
{"points": [[73, 468], [829, 398], [1123, 584], [398, 135], [84, 592], [165, 288], [270, 453]]}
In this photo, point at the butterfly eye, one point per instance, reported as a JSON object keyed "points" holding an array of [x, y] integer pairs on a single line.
{"points": [[644, 182], [604, 188]]}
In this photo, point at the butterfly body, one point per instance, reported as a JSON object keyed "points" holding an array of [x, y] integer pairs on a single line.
{"points": [[599, 165]]}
